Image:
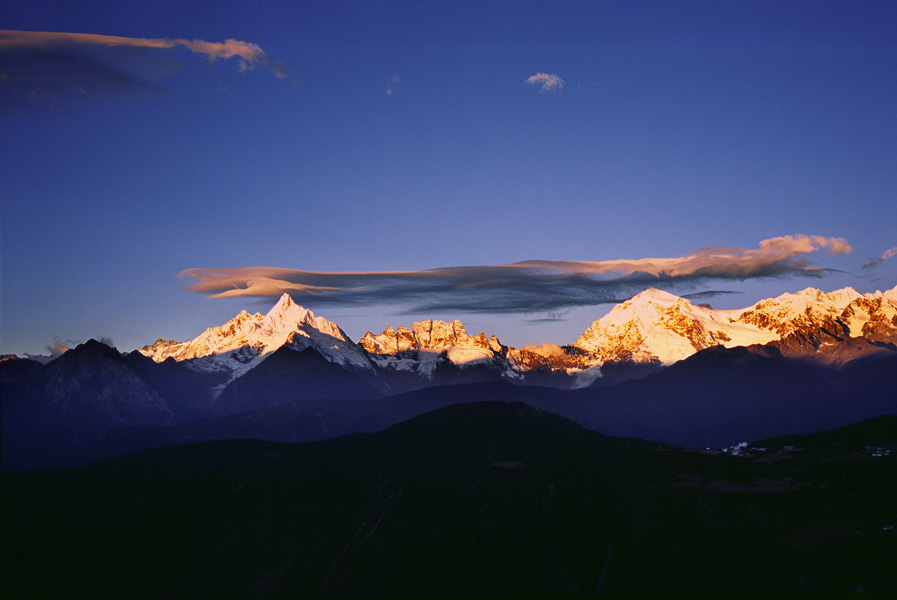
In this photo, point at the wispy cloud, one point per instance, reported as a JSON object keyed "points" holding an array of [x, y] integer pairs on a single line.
{"points": [[395, 81], [529, 286], [43, 64], [549, 82], [59, 347], [874, 262]]}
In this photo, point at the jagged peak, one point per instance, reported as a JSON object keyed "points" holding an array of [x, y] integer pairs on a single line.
{"points": [[427, 334], [806, 293], [838, 299], [244, 316], [816, 293]]}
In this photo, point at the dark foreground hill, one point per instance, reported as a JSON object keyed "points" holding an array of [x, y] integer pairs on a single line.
{"points": [[483, 500]]}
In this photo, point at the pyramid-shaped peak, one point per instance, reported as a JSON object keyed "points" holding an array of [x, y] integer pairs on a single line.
{"points": [[288, 309], [285, 302]]}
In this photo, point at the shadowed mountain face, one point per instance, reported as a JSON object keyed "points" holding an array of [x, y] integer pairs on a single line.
{"points": [[715, 398], [287, 375], [487, 499], [721, 396], [73, 401]]}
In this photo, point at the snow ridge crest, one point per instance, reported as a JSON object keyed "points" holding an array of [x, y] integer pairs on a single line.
{"points": [[656, 326]]}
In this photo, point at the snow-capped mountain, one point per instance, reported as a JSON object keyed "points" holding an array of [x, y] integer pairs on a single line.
{"points": [[420, 347], [656, 326], [244, 341]]}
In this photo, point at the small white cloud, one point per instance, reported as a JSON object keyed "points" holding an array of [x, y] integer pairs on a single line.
{"points": [[392, 82], [549, 81]]}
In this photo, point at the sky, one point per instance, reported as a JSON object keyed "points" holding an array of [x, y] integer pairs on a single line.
{"points": [[520, 166]]}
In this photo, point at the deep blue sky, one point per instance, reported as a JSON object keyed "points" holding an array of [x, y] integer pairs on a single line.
{"points": [[679, 126]]}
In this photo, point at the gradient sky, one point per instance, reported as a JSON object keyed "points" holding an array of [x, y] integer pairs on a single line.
{"points": [[373, 137]]}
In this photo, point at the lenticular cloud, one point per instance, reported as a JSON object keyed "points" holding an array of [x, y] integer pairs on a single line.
{"points": [[43, 68], [44, 39], [529, 286]]}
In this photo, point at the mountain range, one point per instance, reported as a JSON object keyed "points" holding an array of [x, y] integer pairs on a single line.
{"points": [[656, 366], [654, 327]]}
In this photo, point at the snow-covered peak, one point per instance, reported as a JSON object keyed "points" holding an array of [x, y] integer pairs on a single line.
{"points": [[284, 302], [245, 340], [655, 296], [817, 298], [873, 316], [793, 313], [287, 316], [656, 326]]}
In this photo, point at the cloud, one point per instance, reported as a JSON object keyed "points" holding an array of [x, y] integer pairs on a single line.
{"points": [[874, 262], [392, 83], [549, 82], [53, 351], [540, 286], [59, 347], [43, 66], [106, 340], [249, 52]]}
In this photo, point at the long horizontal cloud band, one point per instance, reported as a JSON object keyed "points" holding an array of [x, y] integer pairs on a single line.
{"points": [[530, 286], [41, 39], [44, 61]]}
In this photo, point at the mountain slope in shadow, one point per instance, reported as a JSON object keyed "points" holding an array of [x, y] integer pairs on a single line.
{"points": [[477, 500]]}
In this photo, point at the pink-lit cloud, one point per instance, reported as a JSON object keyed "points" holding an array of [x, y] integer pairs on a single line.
{"points": [[529, 286], [874, 262], [44, 67], [392, 84], [249, 52], [549, 82]]}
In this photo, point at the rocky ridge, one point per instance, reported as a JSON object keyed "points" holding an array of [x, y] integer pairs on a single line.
{"points": [[393, 348]]}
